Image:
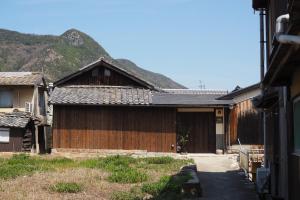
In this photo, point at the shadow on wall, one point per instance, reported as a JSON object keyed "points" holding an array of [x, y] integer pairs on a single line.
{"points": [[249, 129]]}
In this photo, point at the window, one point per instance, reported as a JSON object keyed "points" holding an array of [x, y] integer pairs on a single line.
{"points": [[6, 99], [297, 125], [42, 106], [4, 135], [106, 72]]}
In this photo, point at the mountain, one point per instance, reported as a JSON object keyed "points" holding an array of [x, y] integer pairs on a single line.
{"points": [[58, 56]]}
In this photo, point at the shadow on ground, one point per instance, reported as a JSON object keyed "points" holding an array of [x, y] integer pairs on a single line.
{"points": [[228, 185]]}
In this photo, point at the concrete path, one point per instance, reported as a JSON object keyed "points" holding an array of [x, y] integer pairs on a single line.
{"points": [[221, 178]]}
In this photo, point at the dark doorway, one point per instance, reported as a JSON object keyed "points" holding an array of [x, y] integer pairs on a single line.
{"points": [[201, 128]]}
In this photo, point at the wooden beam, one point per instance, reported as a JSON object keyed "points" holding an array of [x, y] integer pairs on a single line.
{"points": [[37, 146], [195, 110]]}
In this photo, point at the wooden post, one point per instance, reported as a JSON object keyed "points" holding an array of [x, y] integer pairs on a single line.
{"points": [[37, 147]]}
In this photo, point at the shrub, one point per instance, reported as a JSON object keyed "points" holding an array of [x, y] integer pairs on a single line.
{"points": [[66, 187], [127, 175]]}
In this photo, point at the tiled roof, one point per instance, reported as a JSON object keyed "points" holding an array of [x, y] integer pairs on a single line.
{"points": [[14, 119], [21, 78], [118, 95], [189, 97], [196, 91], [101, 95]]}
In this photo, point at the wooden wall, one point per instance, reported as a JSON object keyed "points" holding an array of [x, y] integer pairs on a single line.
{"points": [[201, 127], [245, 124], [15, 141], [98, 78], [129, 128]]}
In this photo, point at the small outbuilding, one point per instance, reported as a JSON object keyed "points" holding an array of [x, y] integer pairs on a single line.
{"points": [[104, 106]]}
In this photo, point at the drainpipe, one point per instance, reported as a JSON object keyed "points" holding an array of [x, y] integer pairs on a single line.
{"points": [[262, 74], [262, 45], [281, 24]]}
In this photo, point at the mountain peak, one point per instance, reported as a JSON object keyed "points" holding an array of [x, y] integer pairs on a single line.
{"points": [[58, 56], [74, 37]]}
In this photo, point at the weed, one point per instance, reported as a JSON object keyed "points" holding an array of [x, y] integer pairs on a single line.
{"points": [[125, 196], [167, 187], [127, 175], [67, 187], [160, 160], [157, 187]]}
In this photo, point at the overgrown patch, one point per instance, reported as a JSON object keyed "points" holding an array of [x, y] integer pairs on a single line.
{"points": [[120, 195], [146, 176], [128, 175], [66, 187], [159, 160], [168, 187]]}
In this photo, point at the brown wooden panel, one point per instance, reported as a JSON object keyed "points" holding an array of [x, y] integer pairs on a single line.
{"points": [[130, 128], [245, 124], [99, 78], [202, 131], [15, 140]]}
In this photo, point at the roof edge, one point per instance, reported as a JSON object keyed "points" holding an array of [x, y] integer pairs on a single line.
{"points": [[233, 94], [110, 64]]}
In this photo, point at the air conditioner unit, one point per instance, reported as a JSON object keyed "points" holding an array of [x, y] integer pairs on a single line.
{"points": [[28, 107]]}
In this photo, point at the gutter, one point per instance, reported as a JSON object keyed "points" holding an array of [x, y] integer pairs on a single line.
{"points": [[281, 24]]}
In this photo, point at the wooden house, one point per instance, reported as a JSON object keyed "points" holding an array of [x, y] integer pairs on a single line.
{"points": [[242, 115], [280, 98], [23, 99], [104, 106]]}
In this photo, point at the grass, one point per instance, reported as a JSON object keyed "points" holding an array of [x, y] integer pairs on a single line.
{"points": [[168, 187], [128, 175], [23, 164], [66, 187], [120, 195], [146, 176]]}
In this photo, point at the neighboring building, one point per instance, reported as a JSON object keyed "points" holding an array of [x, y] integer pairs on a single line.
{"points": [[102, 106], [243, 115], [280, 99], [23, 97]]}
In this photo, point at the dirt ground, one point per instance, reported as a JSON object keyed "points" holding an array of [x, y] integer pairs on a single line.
{"points": [[221, 178], [36, 187]]}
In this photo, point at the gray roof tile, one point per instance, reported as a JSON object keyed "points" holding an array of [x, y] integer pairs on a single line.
{"points": [[14, 119], [189, 97], [101, 95], [21, 78]]}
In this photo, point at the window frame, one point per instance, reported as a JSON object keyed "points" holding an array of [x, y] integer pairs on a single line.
{"points": [[8, 130], [12, 97]]}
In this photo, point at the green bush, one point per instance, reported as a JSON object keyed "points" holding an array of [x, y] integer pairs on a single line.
{"points": [[127, 175], [67, 187]]}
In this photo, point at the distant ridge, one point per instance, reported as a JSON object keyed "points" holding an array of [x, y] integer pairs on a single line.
{"points": [[58, 56]]}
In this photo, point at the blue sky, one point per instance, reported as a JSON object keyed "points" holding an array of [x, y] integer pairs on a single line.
{"points": [[216, 42]]}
